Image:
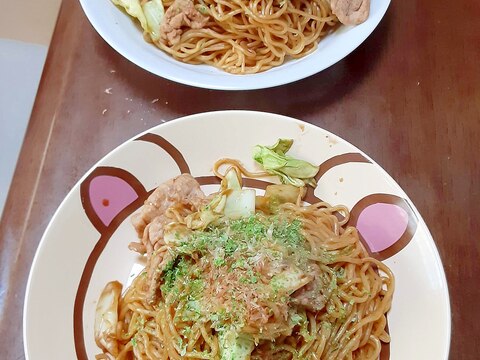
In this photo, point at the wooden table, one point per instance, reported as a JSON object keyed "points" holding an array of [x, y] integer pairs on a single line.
{"points": [[409, 97]]}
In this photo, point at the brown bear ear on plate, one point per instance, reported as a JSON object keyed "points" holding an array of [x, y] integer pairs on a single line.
{"points": [[169, 148], [107, 194], [386, 224], [331, 163], [340, 160]]}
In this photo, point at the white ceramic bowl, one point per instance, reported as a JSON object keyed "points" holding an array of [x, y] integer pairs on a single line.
{"points": [[125, 36], [85, 244]]}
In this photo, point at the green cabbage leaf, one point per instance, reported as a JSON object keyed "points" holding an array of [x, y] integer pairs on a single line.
{"points": [[290, 170], [150, 14]]}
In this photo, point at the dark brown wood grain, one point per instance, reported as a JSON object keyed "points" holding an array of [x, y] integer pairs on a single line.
{"points": [[409, 97]]}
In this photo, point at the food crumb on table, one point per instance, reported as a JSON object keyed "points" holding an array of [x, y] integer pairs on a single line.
{"points": [[108, 91]]}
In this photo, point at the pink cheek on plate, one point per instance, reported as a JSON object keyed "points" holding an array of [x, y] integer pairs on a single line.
{"points": [[382, 225], [109, 195]]}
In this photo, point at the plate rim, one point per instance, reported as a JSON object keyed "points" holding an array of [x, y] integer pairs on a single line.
{"points": [[174, 122]]}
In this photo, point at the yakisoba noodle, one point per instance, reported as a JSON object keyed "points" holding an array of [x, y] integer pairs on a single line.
{"points": [[250, 36], [290, 282]]}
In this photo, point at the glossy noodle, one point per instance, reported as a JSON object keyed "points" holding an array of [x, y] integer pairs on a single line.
{"points": [[288, 281], [241, 36], [245, 37]]}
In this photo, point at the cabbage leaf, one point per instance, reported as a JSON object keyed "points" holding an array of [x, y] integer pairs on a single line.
{"points": [[234, 345], [154, 12], [231, 201], [134, 9], [290, 170], [150, 14]]}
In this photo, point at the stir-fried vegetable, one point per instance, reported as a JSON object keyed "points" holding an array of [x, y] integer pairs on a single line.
{"points": [[275, 195], [235, 346], [290, 170], [150, 14], [231, 201], [106, 317], [240, 202], [154, 12], [290, 279]]}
